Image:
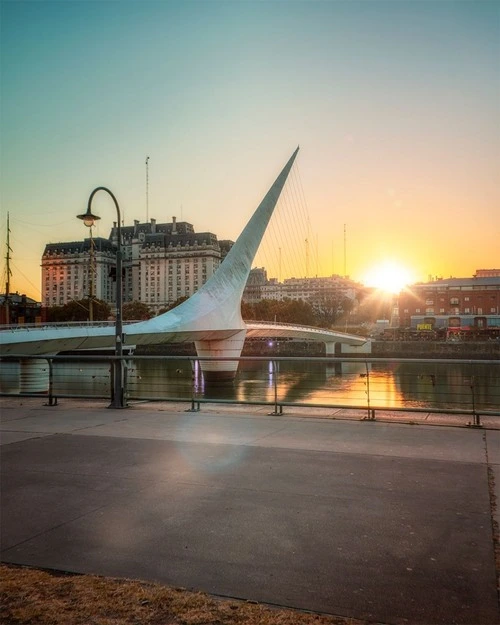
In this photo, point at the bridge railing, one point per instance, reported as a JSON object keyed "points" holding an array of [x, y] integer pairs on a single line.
{"points": [[16, 327], [462, 387]]}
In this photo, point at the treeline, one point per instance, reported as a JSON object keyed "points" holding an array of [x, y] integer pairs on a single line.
{"points": [[324, 315], [79, 310]]}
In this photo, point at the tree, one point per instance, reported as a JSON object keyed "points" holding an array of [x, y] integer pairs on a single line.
{"points": [[78, 310], [285, 311], [133, 311], [173, 305]]}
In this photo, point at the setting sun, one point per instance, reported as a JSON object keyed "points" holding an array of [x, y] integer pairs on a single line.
{"points": [[388, 276]]}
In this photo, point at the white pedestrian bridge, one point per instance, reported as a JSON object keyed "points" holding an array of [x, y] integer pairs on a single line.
{"points": [[53, 338], [211, 318]]}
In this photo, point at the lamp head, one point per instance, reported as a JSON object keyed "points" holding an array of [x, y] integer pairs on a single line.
{"points": [[88, 218]]}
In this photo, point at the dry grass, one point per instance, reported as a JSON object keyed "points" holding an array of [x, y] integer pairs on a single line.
{"points": [[30, 596]]}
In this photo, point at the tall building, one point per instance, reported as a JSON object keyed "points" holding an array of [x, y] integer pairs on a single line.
{"points": [[77, 269], [161, 263]]}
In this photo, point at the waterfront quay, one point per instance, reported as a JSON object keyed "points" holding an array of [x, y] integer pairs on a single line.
{"points": [[393, 521]]}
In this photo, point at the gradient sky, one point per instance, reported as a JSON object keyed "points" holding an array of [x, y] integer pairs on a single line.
{"points": [[396, 107]]}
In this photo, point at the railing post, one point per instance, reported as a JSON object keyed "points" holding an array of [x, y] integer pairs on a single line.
{"points": [[371, 412], [475, 416], [195, 368], [52, 399], [275, 387]]}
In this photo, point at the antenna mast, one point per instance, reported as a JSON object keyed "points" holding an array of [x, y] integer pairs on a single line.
{"points": [[147, 189], [9, 273], [345, 254]]}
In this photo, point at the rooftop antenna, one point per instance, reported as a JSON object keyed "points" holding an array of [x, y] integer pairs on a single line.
{"points": [[147, 189]]}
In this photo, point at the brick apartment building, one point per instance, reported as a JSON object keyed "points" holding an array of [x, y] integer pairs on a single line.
{"points": [[452, 302]]}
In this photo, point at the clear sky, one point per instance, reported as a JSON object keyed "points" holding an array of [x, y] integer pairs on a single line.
{"points": [[395, 104]]}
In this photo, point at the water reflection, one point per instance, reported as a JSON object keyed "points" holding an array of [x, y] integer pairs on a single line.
{"points": [[396, 385]]}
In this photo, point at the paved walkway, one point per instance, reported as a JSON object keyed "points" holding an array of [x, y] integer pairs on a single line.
{"points": [[384, 521]]}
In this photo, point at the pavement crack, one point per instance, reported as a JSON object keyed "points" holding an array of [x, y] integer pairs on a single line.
{"points": [[495, 527], [52, 528]]}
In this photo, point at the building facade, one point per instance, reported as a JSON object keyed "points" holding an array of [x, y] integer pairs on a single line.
{"points": [[161, 263], [476, 298], [78, 270], [253, 288], [316, 291]]}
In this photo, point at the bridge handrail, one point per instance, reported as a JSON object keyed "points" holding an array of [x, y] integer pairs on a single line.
{"points": [[60, 324], [300, 325]]}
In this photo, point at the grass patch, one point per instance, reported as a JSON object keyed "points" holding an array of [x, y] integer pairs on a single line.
{"points": [[34, 597]]}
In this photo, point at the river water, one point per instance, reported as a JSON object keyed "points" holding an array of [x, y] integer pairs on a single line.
{"points": [[356, 384]]}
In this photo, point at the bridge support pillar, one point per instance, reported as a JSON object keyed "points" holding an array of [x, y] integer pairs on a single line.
{"points": [[366, 348], [331, 349], [220, 372]]}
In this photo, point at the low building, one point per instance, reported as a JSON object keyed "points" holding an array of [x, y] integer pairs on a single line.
{"points": [[17, 309], [444, 302], [315, 291], [253, 288]]}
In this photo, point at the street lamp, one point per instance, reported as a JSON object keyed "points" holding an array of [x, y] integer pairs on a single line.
{"points": [[89, 223], [89, 219]]}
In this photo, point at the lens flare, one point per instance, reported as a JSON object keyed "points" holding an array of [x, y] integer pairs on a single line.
{"points": [[389, 276]]}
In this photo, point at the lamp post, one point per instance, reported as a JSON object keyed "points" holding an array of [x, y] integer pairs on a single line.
{"points": [[89, 223], [89, 219]]}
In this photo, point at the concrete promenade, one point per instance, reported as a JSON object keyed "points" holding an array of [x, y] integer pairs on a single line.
{"points": [[388, 522]]}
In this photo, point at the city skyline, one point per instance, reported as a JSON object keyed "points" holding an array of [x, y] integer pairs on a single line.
{"points": [[396, 107]]}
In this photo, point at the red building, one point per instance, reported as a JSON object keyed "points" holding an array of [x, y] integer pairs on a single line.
{"points": [[476, 297]]}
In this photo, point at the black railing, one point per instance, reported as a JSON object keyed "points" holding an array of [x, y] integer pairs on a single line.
{"points": [[465, 387]]}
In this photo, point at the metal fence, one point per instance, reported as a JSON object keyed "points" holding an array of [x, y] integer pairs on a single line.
{"points": [[468, 387]]}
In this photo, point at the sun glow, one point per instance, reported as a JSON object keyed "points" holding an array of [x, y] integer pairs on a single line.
{"points": [[388, 276]]}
